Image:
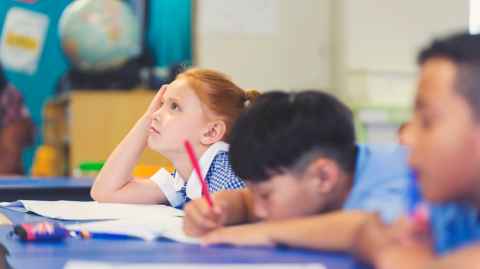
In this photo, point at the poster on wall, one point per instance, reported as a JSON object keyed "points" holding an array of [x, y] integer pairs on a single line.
{"points": [[257, 17], [22, 41]]}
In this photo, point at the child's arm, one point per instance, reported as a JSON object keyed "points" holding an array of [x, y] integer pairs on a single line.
{"points": [[468, 257], [230, 207], [397, 246], [115, 183], [332, 231], [421, 257], [405, 257]]}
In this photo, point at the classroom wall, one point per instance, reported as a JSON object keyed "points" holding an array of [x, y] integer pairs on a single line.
{"points": [[170, 34], [266, 44], [40, 86], [377, 43], [364, 51]]}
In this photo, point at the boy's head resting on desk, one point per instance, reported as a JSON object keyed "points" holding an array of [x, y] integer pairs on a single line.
{"points": [[201, 106], [297, 153], [445, 131]]}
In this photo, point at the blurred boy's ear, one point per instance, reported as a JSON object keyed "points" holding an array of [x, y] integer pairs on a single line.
{"points": [[324, 174], [213, 132], [476, 145]]}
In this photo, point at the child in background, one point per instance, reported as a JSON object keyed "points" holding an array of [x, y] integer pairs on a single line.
{"points": [[444, 138], [16, 128], [307, 179], [199, 106]]}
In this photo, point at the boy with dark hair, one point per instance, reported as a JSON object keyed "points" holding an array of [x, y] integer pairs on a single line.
{"points": [[444, 137], [297, 153]]}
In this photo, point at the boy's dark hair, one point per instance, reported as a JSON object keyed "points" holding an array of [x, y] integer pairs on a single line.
{"points": [[463, 50], [280, 128]]}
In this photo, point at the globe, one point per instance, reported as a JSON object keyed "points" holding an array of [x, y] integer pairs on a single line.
{"points": [[98, 35]]}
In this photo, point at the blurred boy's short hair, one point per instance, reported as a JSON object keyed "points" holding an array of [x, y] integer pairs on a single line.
{"points": [[464, 51]]}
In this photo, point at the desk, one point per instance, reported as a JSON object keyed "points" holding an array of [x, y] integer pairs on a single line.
{"points": [[51, 189], [54, 254]]}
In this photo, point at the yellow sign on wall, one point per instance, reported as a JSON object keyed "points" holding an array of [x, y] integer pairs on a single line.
{"points": [[22, 40]]}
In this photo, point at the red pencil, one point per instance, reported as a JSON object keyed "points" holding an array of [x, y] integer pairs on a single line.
{"points": [[198, 171]]}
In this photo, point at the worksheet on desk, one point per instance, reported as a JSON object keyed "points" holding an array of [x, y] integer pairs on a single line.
{"points": [[147, 228], [95, 265], [78, 210]]}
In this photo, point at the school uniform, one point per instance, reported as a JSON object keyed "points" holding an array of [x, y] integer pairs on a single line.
{"points": [[380, 181], [454, 225], [216, 168]]}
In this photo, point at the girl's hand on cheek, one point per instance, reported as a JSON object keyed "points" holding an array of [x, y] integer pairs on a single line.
{"points": [[157, 101]]}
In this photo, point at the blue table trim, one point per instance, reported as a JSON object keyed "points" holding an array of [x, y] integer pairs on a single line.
{"points": [[56, 254], [63, 188]]}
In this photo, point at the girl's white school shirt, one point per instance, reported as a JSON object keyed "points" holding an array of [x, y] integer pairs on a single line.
{"points": [[178, 191]]}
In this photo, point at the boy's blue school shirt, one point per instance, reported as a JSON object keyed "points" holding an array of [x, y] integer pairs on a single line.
{"points": [[454, 225], [381, 181]]}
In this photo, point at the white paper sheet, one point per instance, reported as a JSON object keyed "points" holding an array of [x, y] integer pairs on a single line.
{"points": [[76, 210], [147, 228]]}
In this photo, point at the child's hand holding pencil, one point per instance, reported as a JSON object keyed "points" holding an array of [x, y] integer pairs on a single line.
{"points": [[204, 215], [201, 219]]}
